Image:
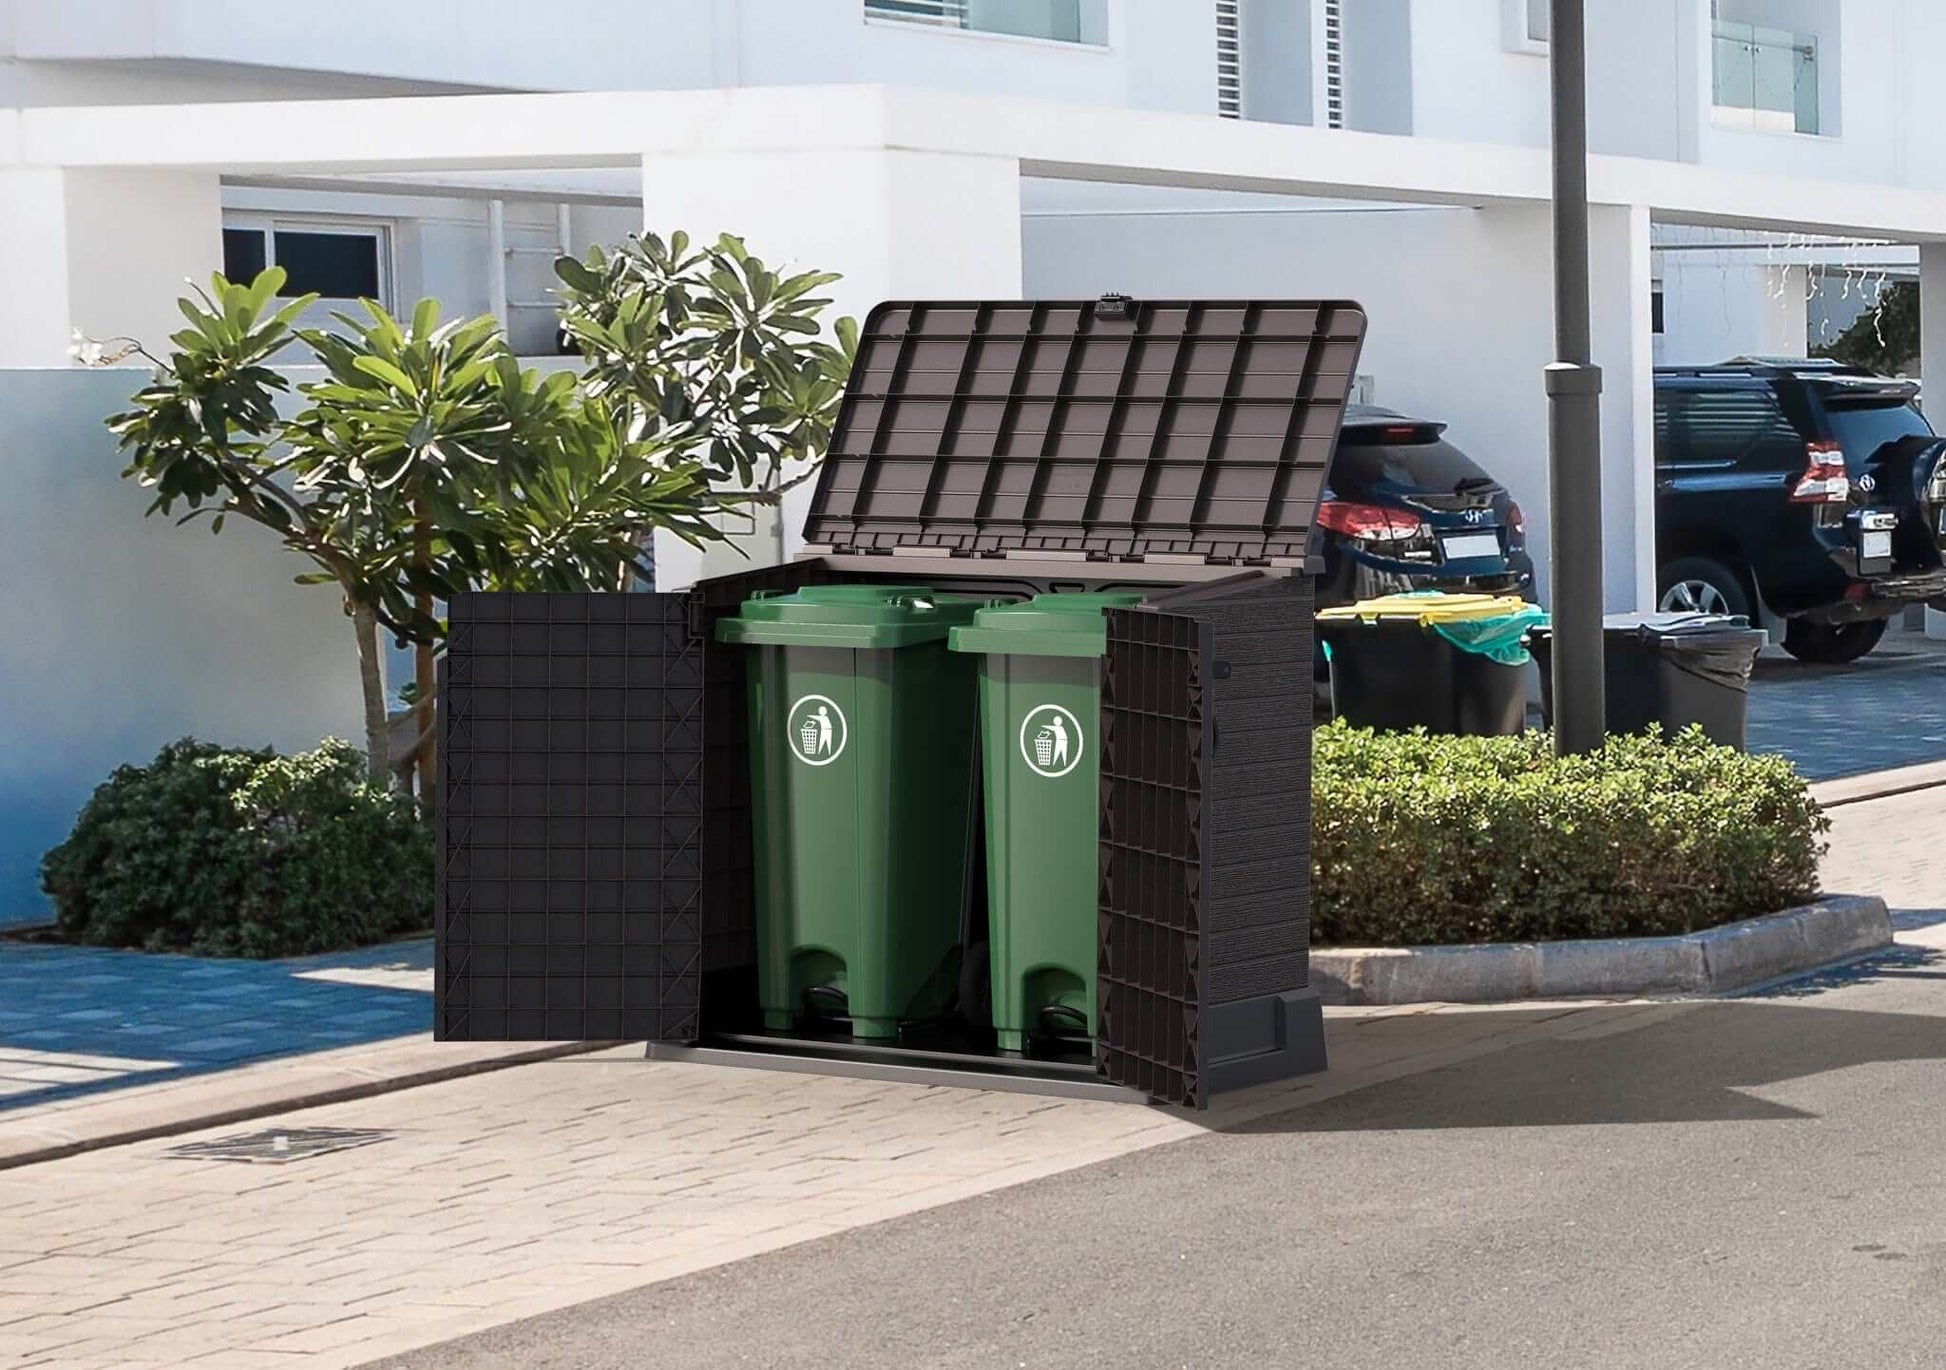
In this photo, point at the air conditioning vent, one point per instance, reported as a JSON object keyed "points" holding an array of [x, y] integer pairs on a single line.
{"points": [[1334, 63], [1229, 59]]}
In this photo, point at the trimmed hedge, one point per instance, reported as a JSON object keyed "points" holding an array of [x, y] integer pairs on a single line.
{"points": [[242, 853], [1426, 841]]}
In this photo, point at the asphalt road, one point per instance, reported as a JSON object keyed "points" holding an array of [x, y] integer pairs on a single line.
{"points": [[1746, 1183]]}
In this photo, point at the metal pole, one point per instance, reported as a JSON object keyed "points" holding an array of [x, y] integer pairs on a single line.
{"points": [[1574, 409]]}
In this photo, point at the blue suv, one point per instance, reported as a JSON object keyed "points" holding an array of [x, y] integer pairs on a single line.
{"points": [[1406, 510]]}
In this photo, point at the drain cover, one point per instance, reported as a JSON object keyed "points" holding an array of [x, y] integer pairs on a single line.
{"points": [[278, 1145]]}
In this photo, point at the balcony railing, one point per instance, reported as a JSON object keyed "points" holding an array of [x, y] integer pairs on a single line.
{"points": [[1060, 21], [1766, 79]]}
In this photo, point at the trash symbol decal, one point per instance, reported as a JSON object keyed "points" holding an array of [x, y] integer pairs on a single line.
{"points": [[816, 732], [1050, 741]]}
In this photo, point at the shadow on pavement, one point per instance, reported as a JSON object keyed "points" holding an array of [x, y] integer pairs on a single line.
{"points": [[81, 1020], [1709, 1063]]}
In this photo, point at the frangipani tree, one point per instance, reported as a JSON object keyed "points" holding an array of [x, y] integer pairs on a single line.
{"points": [[427, 461], [712, 350]]}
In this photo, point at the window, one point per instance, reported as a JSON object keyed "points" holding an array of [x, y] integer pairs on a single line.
{"points": [[244, 254], [329, 258], [1741, 426], [1060, 21], [1862, 429], [1526, 24], [1656, 315], [1431, 465], [1765, 79]]}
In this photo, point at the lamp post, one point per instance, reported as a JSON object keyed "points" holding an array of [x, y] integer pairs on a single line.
{"points": [[1574, 408]]}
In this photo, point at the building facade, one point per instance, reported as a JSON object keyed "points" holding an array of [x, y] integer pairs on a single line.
{"points": [[1760, 170]]}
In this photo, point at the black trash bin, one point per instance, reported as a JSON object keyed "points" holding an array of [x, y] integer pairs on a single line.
{"points": [[1452, 664], [1670, 670]]}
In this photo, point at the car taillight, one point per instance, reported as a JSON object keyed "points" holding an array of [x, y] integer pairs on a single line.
{"points": [[1370, 522], [1516, 521], [1825, 481]]}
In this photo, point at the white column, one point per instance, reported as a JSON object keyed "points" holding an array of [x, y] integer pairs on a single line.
{"points": [[106, 252], [897, 225], [1624, 341], [35, 324], [1695, 76], [1932, 327]]}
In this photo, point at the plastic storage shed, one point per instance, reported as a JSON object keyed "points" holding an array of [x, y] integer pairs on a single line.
{"points": [[594, 878]]}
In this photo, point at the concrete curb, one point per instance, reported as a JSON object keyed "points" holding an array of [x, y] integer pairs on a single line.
{"points": [[1860, 789], [1717, 961], [267, 1089]]}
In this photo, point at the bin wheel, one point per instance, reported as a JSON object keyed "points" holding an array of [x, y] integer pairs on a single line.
{"points": [[1831, 644], [1697, 585]]}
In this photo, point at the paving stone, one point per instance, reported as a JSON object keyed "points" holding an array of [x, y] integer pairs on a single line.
{"points": [[1873, 715]]}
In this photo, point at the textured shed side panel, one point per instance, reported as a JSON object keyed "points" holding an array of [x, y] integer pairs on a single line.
{"points": [[1154, 746], [569, 876]]}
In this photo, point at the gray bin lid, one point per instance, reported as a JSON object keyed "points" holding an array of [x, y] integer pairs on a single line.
{"points": [[1199, 430], [1668, 626]]}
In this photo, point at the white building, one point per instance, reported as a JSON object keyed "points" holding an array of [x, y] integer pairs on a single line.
{"points": [[1759, 167]]}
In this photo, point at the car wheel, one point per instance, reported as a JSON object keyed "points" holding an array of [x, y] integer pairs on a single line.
{"points": [[1831, 644], [1697, 585]]}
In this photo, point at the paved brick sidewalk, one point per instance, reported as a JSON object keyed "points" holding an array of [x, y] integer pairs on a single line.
{"points": [[75, 1021], [543, 1186], [1894, 847]]}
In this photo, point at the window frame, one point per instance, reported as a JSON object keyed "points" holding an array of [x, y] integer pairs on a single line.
{"points": [[1517, 27], [1780, 443], [1094, 14], [380, 230], [1751, 118]]}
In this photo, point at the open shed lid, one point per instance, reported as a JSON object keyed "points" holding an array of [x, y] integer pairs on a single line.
{"points": [[1193, 430]]}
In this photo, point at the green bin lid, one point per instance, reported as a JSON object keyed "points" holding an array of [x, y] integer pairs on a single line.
{"points": [[868, 616], [1046, 625]]}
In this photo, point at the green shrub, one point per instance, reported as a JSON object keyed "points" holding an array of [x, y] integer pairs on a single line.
{"points": [[242, 853], [1423, 840]]}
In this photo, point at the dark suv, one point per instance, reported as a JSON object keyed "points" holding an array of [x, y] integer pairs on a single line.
{"points": [[1407, 510], [1813, 489]]}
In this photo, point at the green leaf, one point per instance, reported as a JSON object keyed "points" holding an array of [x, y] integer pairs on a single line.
{"points": [[425, 317], [385, 371], [577, 276]]}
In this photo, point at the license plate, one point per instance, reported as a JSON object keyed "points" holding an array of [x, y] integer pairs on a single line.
{"points": [[1875, 546], [1470, 546]]}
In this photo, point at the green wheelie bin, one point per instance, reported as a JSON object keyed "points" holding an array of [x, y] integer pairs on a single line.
{"points": [[861, 746], [1040, 701]]}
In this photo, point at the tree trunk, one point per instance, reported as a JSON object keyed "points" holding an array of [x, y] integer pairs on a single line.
{"points": [[423, 672], [371, 677]]}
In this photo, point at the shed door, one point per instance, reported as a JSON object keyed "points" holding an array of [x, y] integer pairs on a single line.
{"points": [[1155, 741], [570, 825]]}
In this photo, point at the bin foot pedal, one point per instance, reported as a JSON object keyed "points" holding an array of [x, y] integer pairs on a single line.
{"points": [[826, 1001], [1062, 1020]]}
